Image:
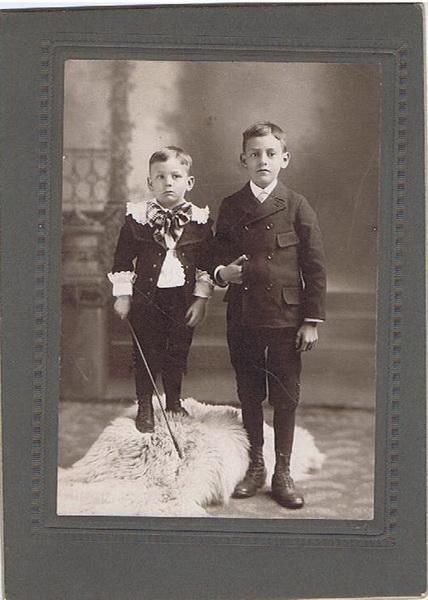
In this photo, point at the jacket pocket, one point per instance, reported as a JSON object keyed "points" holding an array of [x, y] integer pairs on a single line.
{"points": [[291, 295], [287, 238]]}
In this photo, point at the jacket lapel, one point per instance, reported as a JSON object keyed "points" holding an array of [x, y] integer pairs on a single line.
{"points": [[274, 203], [249, 204], [143, 233], [191, 234]]}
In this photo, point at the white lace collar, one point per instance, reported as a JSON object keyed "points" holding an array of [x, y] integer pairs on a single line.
{"points": [[138, 211]]}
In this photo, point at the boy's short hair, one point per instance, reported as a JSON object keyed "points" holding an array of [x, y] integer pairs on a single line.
{"points": [[168, 152], [264, 128]]}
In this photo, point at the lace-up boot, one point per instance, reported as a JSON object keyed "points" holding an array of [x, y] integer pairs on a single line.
{"points": [[283, 488], [172, 386], [144, 420], [255, 476]]}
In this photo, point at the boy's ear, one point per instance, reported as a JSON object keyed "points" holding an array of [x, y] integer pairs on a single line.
{"points": [[190, 183], [243, 160], [285, 160], [149, 184]]}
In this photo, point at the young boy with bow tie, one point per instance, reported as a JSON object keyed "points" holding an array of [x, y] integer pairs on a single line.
{"points": [[160, 278], [269, 239]]}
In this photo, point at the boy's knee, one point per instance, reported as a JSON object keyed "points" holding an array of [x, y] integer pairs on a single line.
{"points": [[284, 407], [285, 398], [251, 383]]}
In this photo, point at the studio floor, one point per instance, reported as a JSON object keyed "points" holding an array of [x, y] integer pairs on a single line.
{"points": [[342, 489], [337, 407]]}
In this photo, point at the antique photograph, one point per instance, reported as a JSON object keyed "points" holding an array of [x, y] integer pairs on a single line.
{"points": [[219, 289], [213, 302]]}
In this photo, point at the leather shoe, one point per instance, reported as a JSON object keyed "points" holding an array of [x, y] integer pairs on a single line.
{"points": [[284, 491], [176, 408], [144, 420], [255, 476]]}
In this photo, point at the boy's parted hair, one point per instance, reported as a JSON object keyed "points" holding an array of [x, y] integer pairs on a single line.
{"points": [[264, 128], [168, 152]]}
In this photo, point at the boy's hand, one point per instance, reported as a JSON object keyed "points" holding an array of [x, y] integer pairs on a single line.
{"points": [[122, 306], [307, 337], [232, 273], [196, 312]]}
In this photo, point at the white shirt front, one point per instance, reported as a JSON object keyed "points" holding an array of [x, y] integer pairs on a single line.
{"points": [[172, 271], [262, 193]]}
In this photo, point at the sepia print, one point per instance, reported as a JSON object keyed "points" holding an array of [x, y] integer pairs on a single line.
{"points": [[117, 113]]}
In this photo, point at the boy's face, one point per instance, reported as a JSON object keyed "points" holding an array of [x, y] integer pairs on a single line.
{"points": [[169, 181], [264, 158]]}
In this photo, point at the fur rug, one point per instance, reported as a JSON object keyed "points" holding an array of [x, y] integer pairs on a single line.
{"points": [[133, 474]]}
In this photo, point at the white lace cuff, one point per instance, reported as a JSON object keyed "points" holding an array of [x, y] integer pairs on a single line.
{"points": [[203, 285], [122, 282]]}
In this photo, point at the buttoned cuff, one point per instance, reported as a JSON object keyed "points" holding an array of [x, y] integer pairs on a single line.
{"points": [[203, 285], [122, 282], [218, 280]]}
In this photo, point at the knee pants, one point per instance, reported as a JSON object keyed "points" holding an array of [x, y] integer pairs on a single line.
{"points": [[164, 337], [266, 363]]}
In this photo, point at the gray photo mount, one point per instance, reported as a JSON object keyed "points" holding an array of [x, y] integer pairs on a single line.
{"points": [[50, 557]]}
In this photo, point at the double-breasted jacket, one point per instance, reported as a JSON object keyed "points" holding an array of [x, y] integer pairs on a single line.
{"points": [[284, 277]]}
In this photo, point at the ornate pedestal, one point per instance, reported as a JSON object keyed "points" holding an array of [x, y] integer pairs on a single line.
{"points": [[84, 344]]}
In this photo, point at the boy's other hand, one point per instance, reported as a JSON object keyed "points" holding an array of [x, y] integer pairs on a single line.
{"points": [[196, 312], [122, 306], [306, 338], [232, 273]]}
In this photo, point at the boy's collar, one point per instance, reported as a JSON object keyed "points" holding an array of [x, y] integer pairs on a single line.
{"points": [[266, 191], [183, 203], [138, 211]]}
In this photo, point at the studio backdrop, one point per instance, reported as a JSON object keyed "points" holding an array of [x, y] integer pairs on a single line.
{"points": [[117, 113]]}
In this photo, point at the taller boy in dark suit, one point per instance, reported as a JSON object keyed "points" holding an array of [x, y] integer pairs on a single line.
{"points": [[269, 239]]}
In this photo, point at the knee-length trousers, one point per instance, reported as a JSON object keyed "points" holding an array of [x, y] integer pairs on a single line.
{"points": [[165, 340], [266, 363]]}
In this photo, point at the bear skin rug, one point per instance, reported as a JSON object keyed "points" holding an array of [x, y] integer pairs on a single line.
{"points": [[127, 473]]}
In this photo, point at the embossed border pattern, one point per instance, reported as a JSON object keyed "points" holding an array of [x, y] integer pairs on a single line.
{"points": [[140, 47]]}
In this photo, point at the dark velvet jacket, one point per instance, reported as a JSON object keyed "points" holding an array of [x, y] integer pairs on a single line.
{"points": [[284, 279], [136, 246]]}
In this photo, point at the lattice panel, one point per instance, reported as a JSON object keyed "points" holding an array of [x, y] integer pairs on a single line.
{"points": [[86, 179]]}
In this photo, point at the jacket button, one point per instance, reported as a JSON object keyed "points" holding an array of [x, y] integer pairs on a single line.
{"points": [[269, 257], [150, 278], [154, 266], [246, 227], [268, 287], [245, 288], [269, 226]]}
